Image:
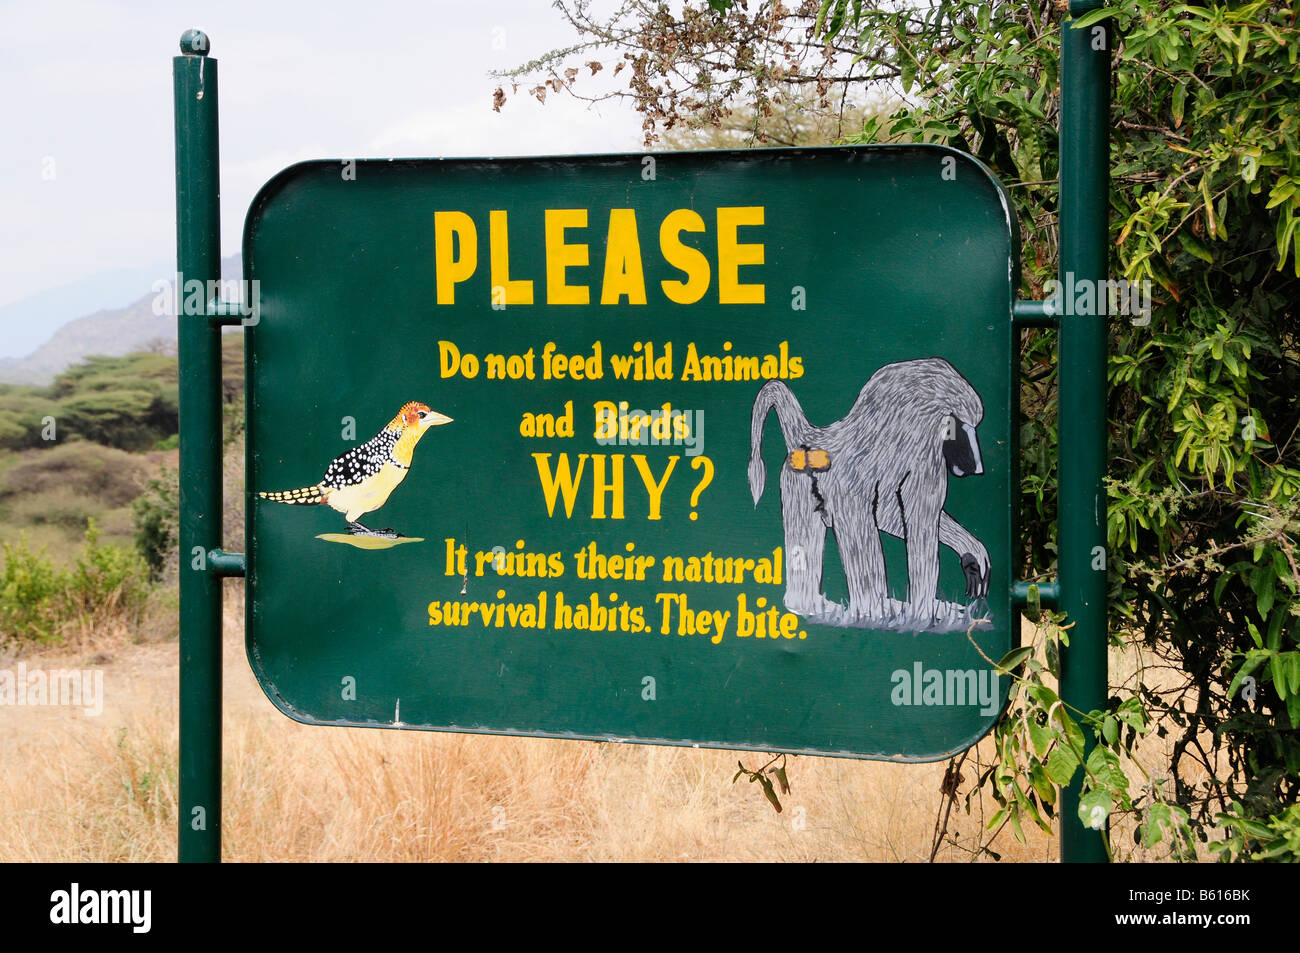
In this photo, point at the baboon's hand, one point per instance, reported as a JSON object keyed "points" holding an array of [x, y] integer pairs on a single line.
{"points": [[977, 570]]}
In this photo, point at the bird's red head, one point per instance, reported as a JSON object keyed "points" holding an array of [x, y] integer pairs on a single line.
{"points": [[411, 412], [417, 416]]}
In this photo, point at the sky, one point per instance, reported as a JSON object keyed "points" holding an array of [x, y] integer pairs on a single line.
{"points": [[87, 187]]}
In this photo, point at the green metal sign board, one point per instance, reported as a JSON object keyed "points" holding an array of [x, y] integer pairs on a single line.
{"points": [[699, 448]]}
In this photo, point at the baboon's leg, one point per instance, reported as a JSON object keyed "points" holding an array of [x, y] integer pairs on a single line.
{"points": [[805, 541], [974, 557], [858, 536], [920, 514]]}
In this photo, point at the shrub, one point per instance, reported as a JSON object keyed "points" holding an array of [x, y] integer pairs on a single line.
{"points": [[111, 477], [63, 507], [24, 412], [39, 602], [157, 521], [122, 417], [106, 581], [30, 587]]}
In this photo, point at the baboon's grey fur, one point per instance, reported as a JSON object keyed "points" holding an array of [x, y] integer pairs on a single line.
{"points": [[887, 473]]}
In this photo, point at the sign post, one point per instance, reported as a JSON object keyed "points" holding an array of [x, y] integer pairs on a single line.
{"points": [[198, 257], [1085, 204]]}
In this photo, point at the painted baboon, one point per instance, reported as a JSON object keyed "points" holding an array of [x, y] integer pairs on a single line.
{"points": [[883, 468]]}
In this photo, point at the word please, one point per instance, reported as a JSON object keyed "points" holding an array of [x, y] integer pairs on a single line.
{"points": [[567, 257]]}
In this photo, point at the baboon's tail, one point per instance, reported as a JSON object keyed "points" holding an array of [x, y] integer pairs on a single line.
{"points": [[773, 395], [307, 495]]}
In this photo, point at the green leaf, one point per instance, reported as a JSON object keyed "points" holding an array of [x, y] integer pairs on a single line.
{"points": [[1015, 826], [907, 72], [1264, 599], [1044, 696], [1179, 102], [1094, 809], [1279, 676], [1033, 605], [1110, 730], [1040, 736], [1154, 823], [1042, 783], [1061, 765], [1012, 660], [1073, 733], [1093, 16], [1194, 247], [1253, 660], [1130, 712]]}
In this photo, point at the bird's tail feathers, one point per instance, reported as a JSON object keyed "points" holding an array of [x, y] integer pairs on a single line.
{"points": [[304, 496]]}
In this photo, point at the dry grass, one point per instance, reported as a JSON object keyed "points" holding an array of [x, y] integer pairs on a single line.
{"points": [[104, 789]]}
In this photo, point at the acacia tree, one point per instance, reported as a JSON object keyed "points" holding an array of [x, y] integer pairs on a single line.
{"points": [[693, 66], [1204, 454]]}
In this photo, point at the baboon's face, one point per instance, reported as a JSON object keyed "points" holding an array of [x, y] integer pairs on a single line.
{"points": [[961, 451]]}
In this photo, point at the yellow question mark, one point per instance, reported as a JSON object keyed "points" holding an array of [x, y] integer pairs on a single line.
{"points": [[705, 480]]}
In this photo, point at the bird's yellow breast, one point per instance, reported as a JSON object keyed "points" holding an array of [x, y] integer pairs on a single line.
{"points": [[370, 494]]}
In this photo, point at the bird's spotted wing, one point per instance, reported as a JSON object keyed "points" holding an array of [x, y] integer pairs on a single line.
{"points": [[361, 462]]}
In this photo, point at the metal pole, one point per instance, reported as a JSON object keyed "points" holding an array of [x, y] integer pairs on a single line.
{"points": [[1085, 203], [198, 256]]}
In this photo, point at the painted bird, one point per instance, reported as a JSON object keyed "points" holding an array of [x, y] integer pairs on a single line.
{"points": [[361, 480]]}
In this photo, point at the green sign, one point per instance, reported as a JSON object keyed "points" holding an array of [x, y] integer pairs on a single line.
{"points": [[699, 448]]}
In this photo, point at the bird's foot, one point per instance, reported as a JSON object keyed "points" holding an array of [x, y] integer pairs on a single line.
{"points": [[356, 529]]}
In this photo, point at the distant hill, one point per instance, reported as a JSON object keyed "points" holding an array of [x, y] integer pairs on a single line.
{"points": [[112, 332], [27, 323]]}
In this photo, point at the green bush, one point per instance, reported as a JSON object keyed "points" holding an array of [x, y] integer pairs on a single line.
{"points": [[30, 588], [39, 602], [122, 417], [157, 518], [12, 432], [106, 580], [23, 415]]}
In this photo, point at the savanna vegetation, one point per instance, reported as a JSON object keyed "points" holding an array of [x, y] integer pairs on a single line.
{"points": [[89, 498]]}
